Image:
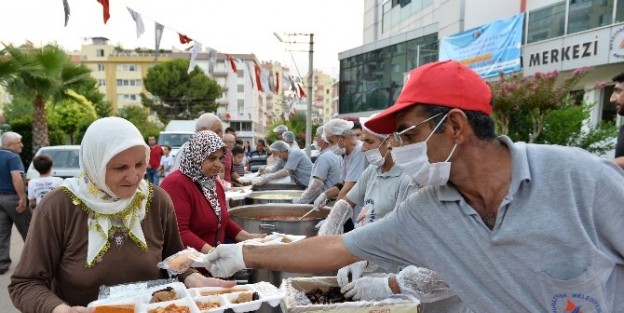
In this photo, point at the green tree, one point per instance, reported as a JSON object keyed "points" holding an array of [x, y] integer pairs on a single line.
{"points": [[537, 109], [71, 116], [180, 95], [18, 108], [52, 75], [138, 115]]}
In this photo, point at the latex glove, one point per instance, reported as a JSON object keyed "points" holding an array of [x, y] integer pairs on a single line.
{"points": [[368, 288], [244, 181], [423, 283], [319, 225], [296, 200], [258, 181], [355, 270], [320, 201], [225, 260], [261, 170], [339, 214]]}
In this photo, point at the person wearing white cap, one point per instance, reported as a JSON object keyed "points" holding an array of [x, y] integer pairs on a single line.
{"points": [[326, 170], [279, 130], [296, 165], [337, 132], [289, 137], [509, 226]]}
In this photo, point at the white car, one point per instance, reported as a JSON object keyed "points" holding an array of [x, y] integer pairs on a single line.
{"points": [[64, 161]]}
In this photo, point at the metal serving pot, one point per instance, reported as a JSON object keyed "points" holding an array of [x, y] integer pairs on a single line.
{"points": [[282, 218], [272, 196], [278, 186]]}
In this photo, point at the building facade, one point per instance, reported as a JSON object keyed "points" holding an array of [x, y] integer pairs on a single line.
{"points": [[561, 35]]}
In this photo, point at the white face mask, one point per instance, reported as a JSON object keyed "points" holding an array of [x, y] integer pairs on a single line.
{"points": [[374, 156], [412, 159], [337, 150]]}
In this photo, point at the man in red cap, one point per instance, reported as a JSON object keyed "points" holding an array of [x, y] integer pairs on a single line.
{"points": [[510, 227]]}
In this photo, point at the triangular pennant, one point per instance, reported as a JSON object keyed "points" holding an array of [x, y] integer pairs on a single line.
{"points": [[277, 82], [184, 39], [258, 82], [66, 9], [196, 48], [105, 10], [158, 31], [232, 63], [138, 20], [302, 93]]}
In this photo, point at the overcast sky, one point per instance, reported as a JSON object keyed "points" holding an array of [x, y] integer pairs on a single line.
{"points": [[229, 26]]}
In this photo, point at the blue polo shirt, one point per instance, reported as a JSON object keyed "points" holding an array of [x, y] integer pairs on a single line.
{"points": [[9, 162]]}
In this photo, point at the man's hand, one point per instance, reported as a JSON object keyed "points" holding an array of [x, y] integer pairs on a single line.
{"points": [[368, 288], [21, 206], [353, 272], [259, 181], [225, 260]]}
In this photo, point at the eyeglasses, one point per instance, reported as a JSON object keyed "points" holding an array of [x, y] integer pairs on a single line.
{"points": [[397, 135]]}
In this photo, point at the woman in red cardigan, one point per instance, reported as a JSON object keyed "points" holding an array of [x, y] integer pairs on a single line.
{"points": [[199, 201]]}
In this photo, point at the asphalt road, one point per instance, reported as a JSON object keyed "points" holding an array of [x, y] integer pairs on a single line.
{"points": [[16, 250]]}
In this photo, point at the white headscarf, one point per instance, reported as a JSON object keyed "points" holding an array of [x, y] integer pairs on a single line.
{"points": [[104, 139]]}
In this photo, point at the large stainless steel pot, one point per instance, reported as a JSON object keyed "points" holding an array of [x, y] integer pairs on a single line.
{"points": [[282, 218], [278, 186], [272, 196]]}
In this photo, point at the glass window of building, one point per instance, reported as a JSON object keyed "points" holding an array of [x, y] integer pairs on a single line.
{"points": [[546, 23], [619, 12], [589, 14], [101, 68], [241, 106]]}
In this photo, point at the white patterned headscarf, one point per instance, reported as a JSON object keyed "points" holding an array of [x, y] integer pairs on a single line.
{"points": [[108, 213], [201, 145]]}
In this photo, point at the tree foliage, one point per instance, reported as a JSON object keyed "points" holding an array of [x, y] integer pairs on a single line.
{"points": [[51, 74], [139, 116], [180, 95], [537, 109], [72, 116]]}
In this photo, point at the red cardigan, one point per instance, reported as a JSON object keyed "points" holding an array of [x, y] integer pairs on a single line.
{"points": [[197, 221]]}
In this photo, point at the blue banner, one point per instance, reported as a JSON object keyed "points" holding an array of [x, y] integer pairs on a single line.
{"points": [[487, 49]]}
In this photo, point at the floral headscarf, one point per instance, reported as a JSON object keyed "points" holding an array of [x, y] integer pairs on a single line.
{"points": [[201, 145], [104, 139]]}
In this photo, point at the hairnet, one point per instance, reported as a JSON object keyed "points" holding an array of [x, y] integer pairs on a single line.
{"points": [[288, 136], [337, 127], [280, 129], [280, 146]]}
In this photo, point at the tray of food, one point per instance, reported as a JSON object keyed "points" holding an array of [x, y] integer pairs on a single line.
{"points": [[176, 298]]}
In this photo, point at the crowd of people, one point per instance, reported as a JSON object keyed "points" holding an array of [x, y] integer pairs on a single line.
{"points": [[427, 201]]}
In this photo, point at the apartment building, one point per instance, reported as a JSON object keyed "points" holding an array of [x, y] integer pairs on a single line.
{"points": [[119, 72], [399, 35]]}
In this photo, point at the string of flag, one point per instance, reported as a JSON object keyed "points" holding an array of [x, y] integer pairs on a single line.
{"points": [[265, 79]]}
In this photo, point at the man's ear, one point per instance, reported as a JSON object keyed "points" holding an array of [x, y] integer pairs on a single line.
{"points": [[458, 125]]}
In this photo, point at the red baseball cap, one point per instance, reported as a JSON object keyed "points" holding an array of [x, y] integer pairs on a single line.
{"points": [[448, 83]]}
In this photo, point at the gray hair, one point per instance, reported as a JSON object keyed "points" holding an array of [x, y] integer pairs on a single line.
{"points": [[206, 121], [9, 136], [280, 146]]}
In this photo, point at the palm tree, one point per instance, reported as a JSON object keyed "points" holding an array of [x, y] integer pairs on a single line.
{"points": [[50, 80]]}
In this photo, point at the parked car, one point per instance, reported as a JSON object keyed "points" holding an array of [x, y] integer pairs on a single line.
{"points": [[174, 139], [64, 161]]}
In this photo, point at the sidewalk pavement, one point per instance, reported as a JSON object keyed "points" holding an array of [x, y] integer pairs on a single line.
{"points": [[16, 250]]}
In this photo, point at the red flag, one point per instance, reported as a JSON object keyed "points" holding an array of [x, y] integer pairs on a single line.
{"points": [[106, 12], [302, 93], [258, 79], [277, 83], [184, 39], [232, 63]]}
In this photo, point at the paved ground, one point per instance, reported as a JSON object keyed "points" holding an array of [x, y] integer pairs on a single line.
{"points": [[16, 251]]}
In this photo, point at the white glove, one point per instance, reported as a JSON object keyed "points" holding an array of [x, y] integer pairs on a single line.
{"points": [[368, 288], [320, 201], [296, 200], [356, 270], [423, 283], [261, 170], [245, 181], [319, 225], [257, 181], [339, 214], [225, 260]]}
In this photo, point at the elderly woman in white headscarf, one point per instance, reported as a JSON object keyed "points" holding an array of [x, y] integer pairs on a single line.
{"points": [[106, 227], [199, 200]]}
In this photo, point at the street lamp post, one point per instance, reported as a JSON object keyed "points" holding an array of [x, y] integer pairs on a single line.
{"points": [[310, 85]]}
